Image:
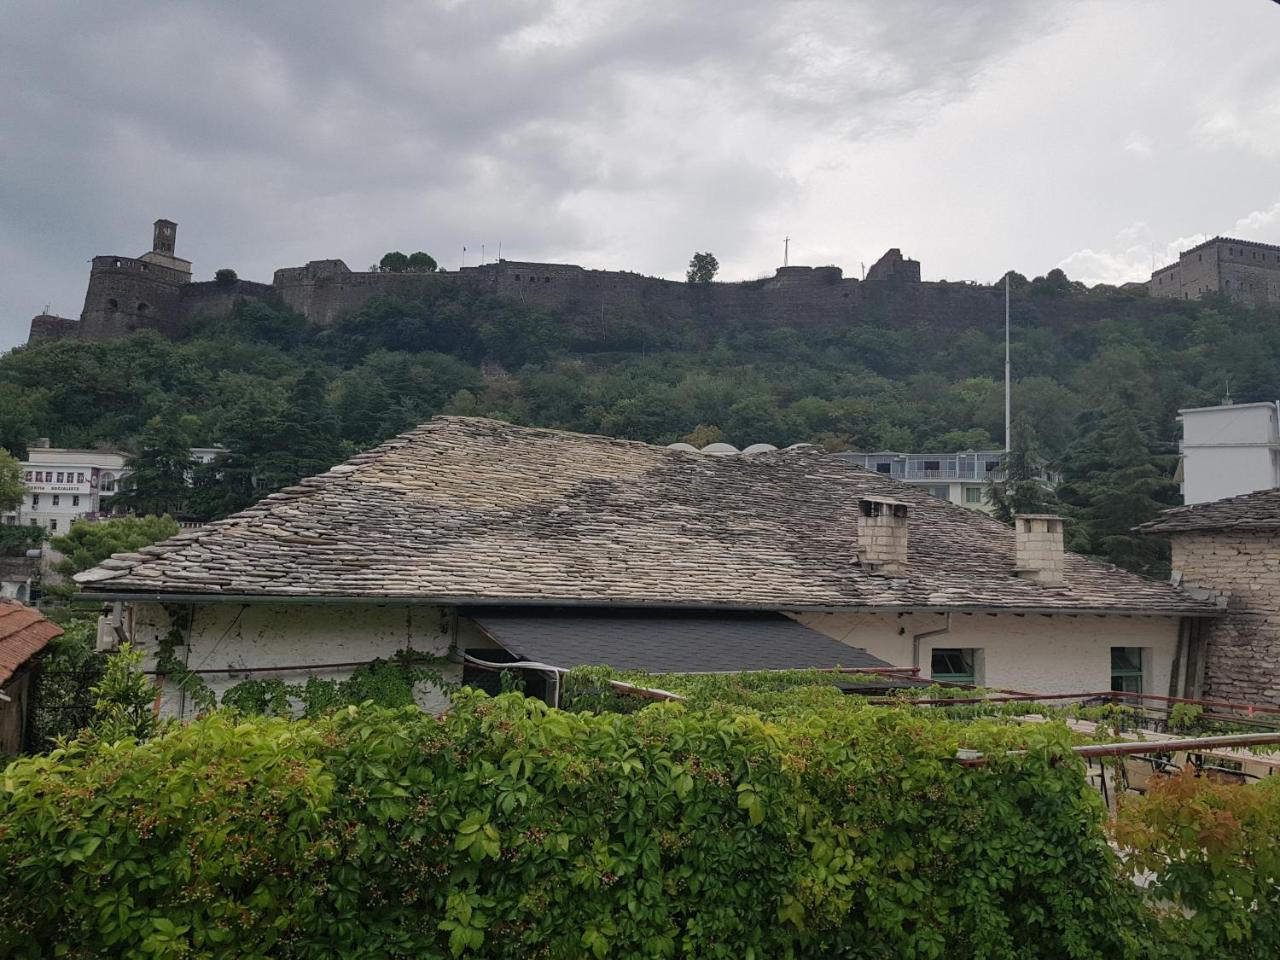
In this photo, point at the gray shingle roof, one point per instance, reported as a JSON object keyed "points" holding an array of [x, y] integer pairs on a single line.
{"points": [[1249, 511], [668, 641], [472, 510]]}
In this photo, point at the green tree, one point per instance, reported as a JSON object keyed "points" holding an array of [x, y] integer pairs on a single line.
{"points": [[90, 542], [393, 262], [420, 262], [226, 276], [1115, 477], [11, 486], [1024, 488], [159, 476], [702, 268], [124, 705], [304, 439]]}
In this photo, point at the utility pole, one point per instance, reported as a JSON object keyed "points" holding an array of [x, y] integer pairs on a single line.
{"points": [[1008, 443], [786, 250]]}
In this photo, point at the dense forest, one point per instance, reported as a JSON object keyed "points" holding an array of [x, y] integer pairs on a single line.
{"points": [[1097, 399]]}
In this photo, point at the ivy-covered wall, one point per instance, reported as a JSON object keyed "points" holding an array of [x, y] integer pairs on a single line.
{"points": [[239, 636]]}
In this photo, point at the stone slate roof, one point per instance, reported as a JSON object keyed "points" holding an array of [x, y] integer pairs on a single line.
{"points": [[468, 510], [667, 641], [23, 634], [1250, 511]]}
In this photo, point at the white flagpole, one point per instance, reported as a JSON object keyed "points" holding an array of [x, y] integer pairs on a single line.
{"points": [[1007, 434]]}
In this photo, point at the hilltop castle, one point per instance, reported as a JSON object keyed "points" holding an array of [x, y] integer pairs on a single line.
{"points": [[155, 291]]}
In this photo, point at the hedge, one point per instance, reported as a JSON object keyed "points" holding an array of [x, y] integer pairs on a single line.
{"points": [[505, 829]]}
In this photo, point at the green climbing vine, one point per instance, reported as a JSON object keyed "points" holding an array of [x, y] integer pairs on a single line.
{"points": [[385, 683], [172, 669]]}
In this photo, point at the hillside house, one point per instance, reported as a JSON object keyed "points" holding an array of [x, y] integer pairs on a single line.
{"points": [[468, 534], [1229, 551]]}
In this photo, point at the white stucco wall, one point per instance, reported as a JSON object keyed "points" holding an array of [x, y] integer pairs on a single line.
{"points": [[235, 636], [1228, 451], [1032, 653]]}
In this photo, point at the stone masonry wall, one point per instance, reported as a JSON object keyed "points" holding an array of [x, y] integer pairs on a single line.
{"points": [[1243, 653]]}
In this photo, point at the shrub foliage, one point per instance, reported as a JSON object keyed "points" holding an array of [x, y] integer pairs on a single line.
{"points": [[506, 829]]}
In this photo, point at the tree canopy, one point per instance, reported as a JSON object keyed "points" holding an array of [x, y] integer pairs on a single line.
{"points": [[11, 486], [702, 268]]}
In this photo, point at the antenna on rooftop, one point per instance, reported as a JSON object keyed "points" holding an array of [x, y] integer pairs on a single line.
{"points": [[464, 255], [786, 250]]}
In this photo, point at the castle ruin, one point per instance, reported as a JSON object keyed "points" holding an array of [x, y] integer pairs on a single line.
{"points": [[155, 292]]}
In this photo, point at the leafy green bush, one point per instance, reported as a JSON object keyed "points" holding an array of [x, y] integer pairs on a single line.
{"points": [[505, 829], [1210, 855]]}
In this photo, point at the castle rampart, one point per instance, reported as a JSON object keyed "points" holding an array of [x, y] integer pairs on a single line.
{"points": [[155, 292]]}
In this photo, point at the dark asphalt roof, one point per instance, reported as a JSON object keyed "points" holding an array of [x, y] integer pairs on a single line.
{"points": [[667, 642]]}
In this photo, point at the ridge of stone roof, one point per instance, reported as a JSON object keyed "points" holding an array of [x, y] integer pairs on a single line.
{"points": [[468, 510], [1259, 510]]}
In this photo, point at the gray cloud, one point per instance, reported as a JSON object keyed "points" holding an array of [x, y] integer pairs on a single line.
{"points": [[607, 133]]}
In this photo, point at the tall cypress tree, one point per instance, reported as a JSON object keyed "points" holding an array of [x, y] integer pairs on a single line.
{"points": [[159, 475], [1116, 477], [1024, 488]]}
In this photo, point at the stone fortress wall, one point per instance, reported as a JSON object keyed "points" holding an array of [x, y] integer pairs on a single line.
{"points": [[155, 292]]}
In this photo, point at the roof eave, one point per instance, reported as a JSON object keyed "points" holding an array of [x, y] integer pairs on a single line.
{"points": [[1190, 610]]}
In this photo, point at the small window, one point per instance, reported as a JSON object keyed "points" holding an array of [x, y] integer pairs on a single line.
{"points": [[934, 465], [27, 476], [143, 308], [60, 475], [942, 493], [546, 279], [53, 524], [57, 500], [1126, 669], [972, 494], [113, 303], [117, 263], [143, 265], [517, 276], [75, 501], [79, 478], [35, 500], [954, 665], [884, 467]]}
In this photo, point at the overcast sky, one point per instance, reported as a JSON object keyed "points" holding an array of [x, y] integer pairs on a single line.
{"points": [[977, 136]]}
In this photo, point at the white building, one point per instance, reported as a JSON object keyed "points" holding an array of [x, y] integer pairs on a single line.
{"points": [[64, 485], [1229, 450], [959, 478]]}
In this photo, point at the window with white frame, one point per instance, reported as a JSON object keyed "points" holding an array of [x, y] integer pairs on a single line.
{"points": [[1126, 669]]}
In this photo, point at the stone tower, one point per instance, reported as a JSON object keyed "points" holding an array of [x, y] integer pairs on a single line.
{"points": [[133, 293], [164, 237]]}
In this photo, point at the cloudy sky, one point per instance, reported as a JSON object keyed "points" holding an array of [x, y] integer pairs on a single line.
{"points": [[977, 136]]}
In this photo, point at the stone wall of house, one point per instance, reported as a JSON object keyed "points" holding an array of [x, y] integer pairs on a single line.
{"points": [[1242, 659], [1030, 653], [235, 637]]}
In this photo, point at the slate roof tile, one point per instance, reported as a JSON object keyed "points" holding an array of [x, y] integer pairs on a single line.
{"points": [[1249, 511], [472, 510]]}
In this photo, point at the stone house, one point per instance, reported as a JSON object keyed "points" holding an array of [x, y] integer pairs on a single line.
{"points": [[1229, 551], [23, 634], [470, 535]]}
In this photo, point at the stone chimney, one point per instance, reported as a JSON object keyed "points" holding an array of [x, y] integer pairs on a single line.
{"points": [[882, 536], [1038, 547]]}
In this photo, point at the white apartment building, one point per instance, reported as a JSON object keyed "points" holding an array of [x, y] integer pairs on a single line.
{"points": [[959, 478], [1229, 450], [64, 485]]}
